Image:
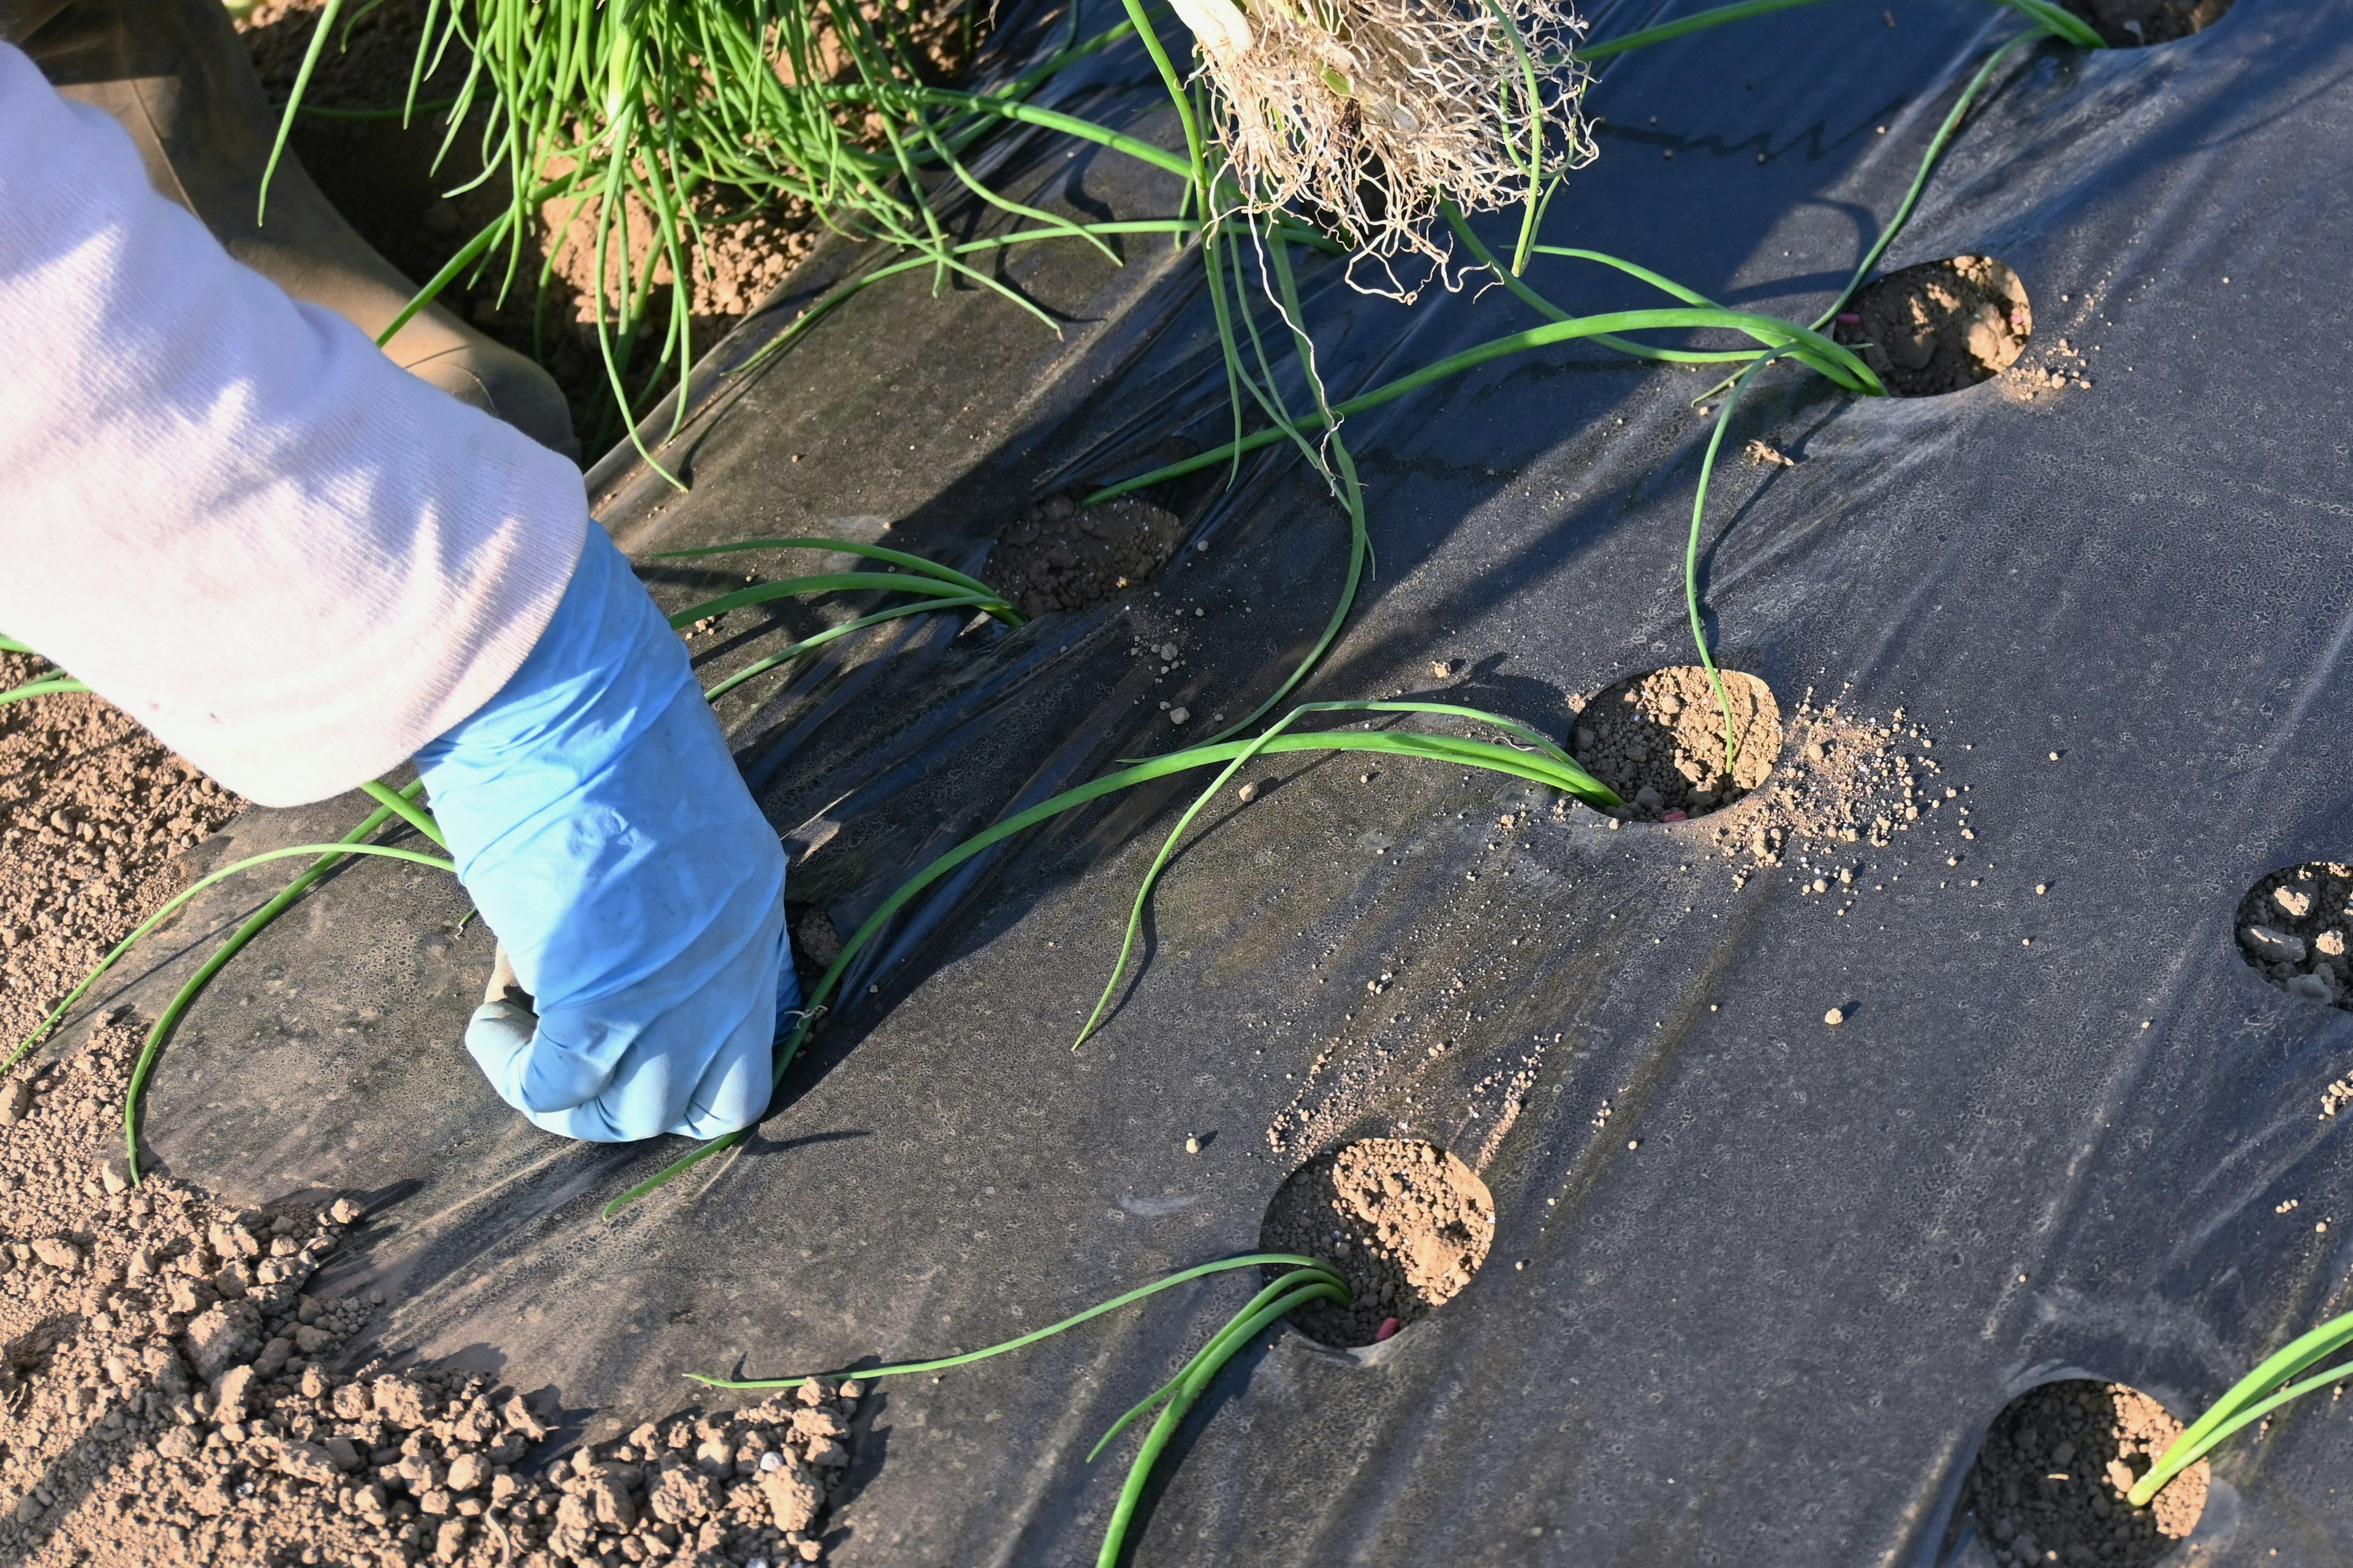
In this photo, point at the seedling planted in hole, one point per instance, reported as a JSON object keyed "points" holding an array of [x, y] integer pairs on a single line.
{"points": [[2250, 1399], [935, 587]]}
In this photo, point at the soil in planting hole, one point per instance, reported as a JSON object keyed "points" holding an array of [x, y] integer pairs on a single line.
{"points": [[2294, 926], [1940, 326], [2131, 24], [1658, 741], [1063, 556], [2048, 1485], [1404, 1222]]}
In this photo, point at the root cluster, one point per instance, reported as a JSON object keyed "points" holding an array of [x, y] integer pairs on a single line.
{"points": [[1363, 115]]}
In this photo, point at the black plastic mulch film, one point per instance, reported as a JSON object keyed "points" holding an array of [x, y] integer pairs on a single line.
{"points": [[1758, 1284]]}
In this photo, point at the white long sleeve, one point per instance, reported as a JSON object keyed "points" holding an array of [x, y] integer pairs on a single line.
{"points": [[230, 513]]}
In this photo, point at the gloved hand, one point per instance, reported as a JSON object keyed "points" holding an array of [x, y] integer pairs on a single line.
{"points": [[603, 830]]}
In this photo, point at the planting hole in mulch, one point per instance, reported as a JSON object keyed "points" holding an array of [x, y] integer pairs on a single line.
{"points": [[2131, 23], [1658, 740], [1063, 556], [1404, 1222], [2048, 1485], [2293, 925], [1939, 326]]}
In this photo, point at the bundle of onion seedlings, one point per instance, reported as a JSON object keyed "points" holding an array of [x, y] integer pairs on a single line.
{"points": [[1364, 116], [691, 113]]}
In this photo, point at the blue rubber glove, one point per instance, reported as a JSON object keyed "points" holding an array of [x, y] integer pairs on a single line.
{"points": [[604, 831]]}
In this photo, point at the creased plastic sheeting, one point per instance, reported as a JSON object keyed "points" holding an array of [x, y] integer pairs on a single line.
{"points": [[2051, 1135]]}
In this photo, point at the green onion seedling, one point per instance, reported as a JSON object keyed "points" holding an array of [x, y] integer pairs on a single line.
{"points": [[1541, 761], [2251, 1399]]}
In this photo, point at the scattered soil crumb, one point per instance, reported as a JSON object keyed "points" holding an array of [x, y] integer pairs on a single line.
{"points": [[2129, 24], [1404, 1222], [2052, 1478], [1939, 326], [1063, 556], [1843, 781], [1763, 452], [93, 811], [1658, 741], [2294, 926], [2062, 366]]}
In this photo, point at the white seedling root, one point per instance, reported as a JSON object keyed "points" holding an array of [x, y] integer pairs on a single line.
{"points": [[1363, 115]]}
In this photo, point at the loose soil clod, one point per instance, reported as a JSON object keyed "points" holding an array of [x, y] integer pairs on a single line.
{"points": [[1658, 740], [1404, 1222], [2049, 1482], [1061, 557], [2293, 927], [2131, 23], [1939, 326]]}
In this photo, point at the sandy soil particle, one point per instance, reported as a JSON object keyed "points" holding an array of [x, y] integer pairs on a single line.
{"points": [[1406, 1224], [1843, 780], [1063, 556], [2062, 367], [1658, 740], [2129, 24], [2293, 927], [92, 811], [2048, 1485], [1939, 326]]}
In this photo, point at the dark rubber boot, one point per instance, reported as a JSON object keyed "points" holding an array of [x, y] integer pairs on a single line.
{"points": [[176, 76]]}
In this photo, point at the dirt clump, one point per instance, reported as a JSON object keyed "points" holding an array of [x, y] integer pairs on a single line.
{"points": [[1939, 326], [2131, 24], [2294, 927], [1658, 740], [93, 811], [2049, 1484], [1405, 1223], [1063, 556]]}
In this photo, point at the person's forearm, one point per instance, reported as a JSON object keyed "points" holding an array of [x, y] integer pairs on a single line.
{"points": [[230, 513]]}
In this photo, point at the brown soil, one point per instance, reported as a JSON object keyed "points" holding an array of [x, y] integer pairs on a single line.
{"points": [[1063, 556], [1406, 1224], [2294, 926], [2131, 24], [1940, 326], [171, 1399], [382, 180], [1658, 740], [92, 811], [2048, 1485]]}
